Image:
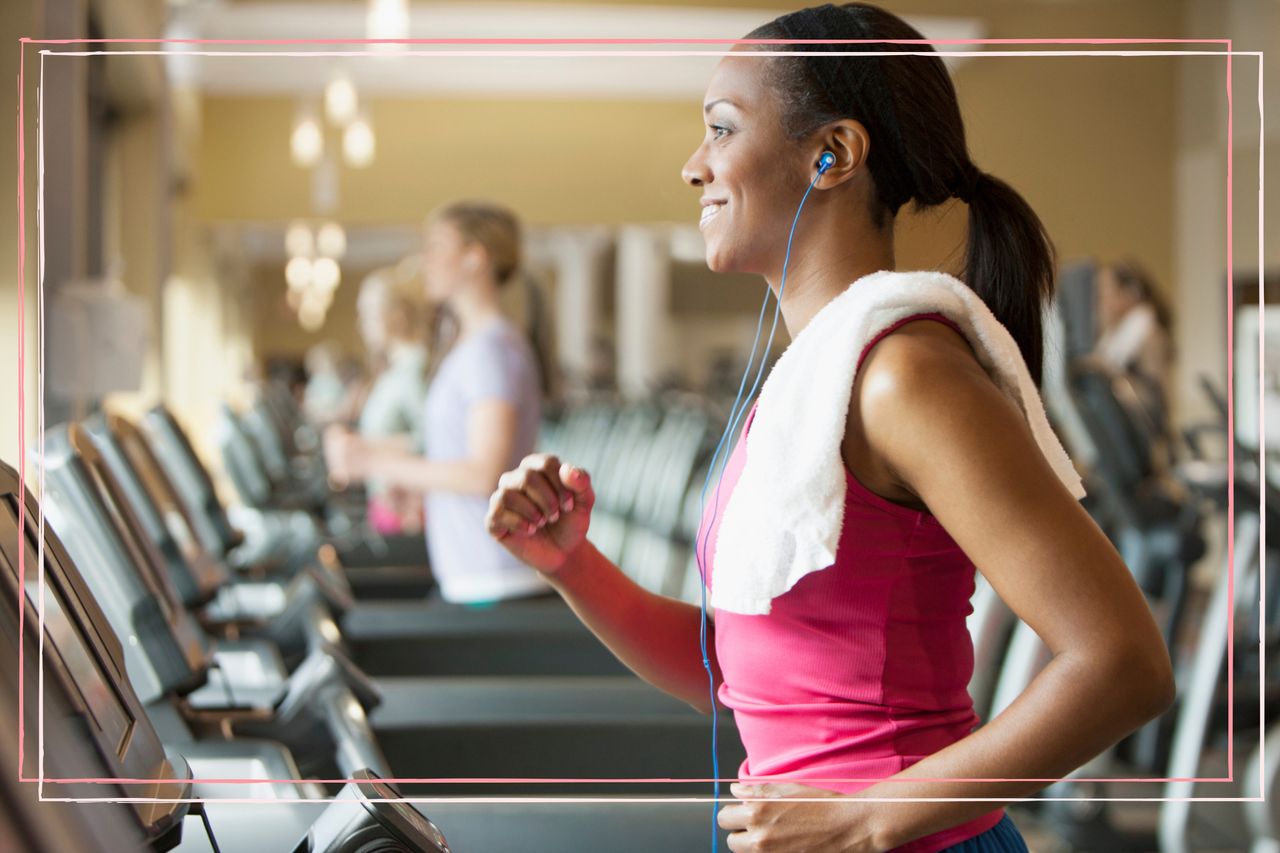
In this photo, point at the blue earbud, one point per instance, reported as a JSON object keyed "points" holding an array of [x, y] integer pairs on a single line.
{"points": [[826, 161]]}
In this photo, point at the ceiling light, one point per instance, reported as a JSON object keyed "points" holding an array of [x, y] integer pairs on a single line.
{"points": [[298, 241], [306, 143], [331, 240], [340, 100], [311, 317], [298, 273], [326, 274], [387, 19], [358, 144]]}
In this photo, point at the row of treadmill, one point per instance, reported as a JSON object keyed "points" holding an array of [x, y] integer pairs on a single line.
{"points": [[197, 676], [248, 680]]}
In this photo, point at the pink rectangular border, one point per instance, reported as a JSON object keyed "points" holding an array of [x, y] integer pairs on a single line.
{"points": [[1228, 54]]}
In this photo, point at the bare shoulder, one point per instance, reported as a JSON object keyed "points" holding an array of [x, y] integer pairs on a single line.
{"points": [[897, 365], [920, 368], [920, 386], [917, 358]]}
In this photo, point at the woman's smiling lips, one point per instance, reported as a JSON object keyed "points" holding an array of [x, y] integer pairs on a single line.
{"points": [[710, 207]]}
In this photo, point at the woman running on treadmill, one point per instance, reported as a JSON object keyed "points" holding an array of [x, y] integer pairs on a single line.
{"points": [[853, 680], [393, 322], [1135, 337], [481, 412]]}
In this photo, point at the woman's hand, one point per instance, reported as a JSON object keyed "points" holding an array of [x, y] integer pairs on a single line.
{"points": [[541, 511], [407, 505], [771, 820]]}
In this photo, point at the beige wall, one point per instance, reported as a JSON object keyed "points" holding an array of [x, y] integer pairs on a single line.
{"points": [[1088, 141], [556, 162]]}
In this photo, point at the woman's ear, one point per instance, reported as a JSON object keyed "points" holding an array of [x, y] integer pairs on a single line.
{"points": [[474, 258], [848, 140]]}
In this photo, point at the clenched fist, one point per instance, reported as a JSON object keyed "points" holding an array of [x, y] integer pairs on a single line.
{"points": [[541, 511]]}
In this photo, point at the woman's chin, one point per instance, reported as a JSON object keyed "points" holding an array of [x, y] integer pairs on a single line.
{"points": [[719, 261]]}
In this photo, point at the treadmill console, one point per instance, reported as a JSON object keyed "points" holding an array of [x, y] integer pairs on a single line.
{"points": [[79, 658], [370, 814]]}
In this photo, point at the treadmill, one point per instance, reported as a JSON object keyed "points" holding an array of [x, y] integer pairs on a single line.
{"points": [[90, 728], [293, 615], [259, 470], [523, 690], [439, 726], [393, 638], [319, 710], [96, 731], [413, 637], [645, 463], [292, 611], [367, 810]]}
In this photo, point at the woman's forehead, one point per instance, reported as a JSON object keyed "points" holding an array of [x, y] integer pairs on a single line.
{"points": [[739, 80], [439, 229]]}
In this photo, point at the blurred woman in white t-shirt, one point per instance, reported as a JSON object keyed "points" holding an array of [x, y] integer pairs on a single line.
{"points": [[480, 413], [1135, 335]]}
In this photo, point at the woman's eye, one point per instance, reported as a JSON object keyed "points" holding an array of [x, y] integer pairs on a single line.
{"points": [[718, 131]]}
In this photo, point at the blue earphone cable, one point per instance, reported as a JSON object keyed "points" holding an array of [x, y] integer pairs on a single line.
{"points": [[735, 415]]}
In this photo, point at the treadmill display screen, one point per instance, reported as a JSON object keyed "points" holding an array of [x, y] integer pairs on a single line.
{"points": [[105, 707], [148, 470], [416, 820]]}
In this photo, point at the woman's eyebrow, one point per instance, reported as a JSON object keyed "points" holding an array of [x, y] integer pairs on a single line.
{"points": [[707, 107]]}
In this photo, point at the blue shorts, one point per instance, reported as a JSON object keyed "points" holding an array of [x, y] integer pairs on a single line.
{"points": [[1001, 838]]}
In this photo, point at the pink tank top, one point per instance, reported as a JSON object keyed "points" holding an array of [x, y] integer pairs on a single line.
{"points": [[860, 669]]}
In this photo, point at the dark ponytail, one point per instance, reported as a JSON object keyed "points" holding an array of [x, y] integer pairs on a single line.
{"points": [[1009, 262], [918, 151]]}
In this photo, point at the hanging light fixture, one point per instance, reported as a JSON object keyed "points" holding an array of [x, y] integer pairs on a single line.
{"points": [[325, 274], [331, 240], [311, 316], [340, 100], [387, 19], [359, 146], [298, 241], [313, 308], [299, 273], [306, 142]]}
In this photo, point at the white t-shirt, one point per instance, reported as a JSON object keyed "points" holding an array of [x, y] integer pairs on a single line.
{"points": [[492, 363], [1122, 345], [394, 404]]}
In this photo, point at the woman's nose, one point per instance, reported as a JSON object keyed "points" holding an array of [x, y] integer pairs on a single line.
{"points": [[694, 171]]}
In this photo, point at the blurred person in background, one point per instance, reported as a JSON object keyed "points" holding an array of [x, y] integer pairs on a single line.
{"points": [[325, 390], [1135, 336], [481, 411], [392, 318]]}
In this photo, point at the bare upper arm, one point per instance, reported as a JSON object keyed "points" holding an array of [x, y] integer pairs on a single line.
{"points": [[929, 414], [491, 435]]}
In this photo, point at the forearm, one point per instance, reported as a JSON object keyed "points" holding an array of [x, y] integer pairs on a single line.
{"points": [[399, 443], [1077, 707], [656, 637], [399, 467]]}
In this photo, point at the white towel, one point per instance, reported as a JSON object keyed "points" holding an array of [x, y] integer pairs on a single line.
{"points": [[784, 518]]}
